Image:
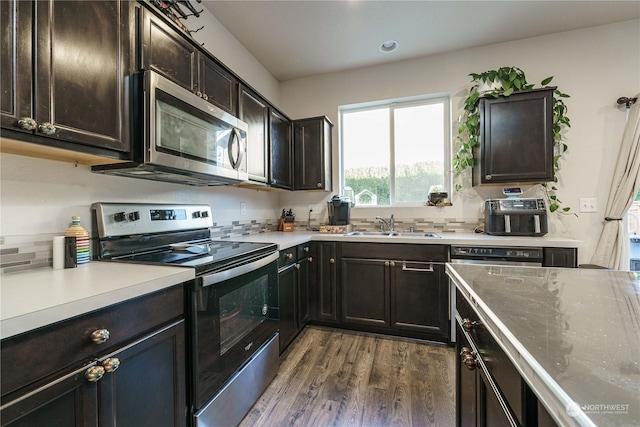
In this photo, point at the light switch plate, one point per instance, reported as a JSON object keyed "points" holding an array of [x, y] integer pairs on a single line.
{"points": [[588, 204]]}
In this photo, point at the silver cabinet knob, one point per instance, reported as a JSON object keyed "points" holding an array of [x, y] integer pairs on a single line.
{"points": [[94, 374], [27, 123], [332, 260], [47, 128], [100, 336]]}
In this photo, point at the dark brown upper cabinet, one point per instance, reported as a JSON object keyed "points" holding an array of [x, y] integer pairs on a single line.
{"points": [[516, 139], [217, 85], [171, 53], [254, 111], [312, 148], [281, 151], [64, 73], [168, 52]]}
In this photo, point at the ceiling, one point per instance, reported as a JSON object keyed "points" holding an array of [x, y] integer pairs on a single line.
{"points": [[294, 39]]}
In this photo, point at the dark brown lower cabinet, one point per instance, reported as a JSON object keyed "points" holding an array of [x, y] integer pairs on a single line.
{"points": [[293, 292], [68, 374], [365, 292], [148, 388], [560, 257], [420, 299], [394, 289], [489, 389], [323, 295]]}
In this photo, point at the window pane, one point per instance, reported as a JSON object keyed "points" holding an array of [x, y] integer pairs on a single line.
{"points": [[366, 158], [419, 151]]}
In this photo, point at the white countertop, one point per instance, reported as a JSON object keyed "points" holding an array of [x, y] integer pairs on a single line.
{"points": [[573, 334], [285, 240], [36, 298]]}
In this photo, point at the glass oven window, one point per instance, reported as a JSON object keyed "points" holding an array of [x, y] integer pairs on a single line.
{"points": [[242, 311], [188, 132]]}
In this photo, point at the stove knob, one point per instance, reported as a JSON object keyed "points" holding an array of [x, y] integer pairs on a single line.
{"points": [[196, 214], [119, 217], [204, 214], [134, 216]]}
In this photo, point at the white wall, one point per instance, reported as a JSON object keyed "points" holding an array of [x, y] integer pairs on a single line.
{"points": [[39, 196], [594, 66]]}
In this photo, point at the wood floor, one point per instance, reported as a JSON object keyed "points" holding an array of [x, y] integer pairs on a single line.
{"points": [[340, 378]]}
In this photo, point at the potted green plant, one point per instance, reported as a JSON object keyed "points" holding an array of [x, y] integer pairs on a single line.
{"points": [[503, 82]]}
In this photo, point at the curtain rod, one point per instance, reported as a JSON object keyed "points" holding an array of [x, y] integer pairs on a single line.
{"points": [[626, 101]]}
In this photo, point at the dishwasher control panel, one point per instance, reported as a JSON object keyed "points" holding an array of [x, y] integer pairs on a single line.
{"points": [[492, 252]]}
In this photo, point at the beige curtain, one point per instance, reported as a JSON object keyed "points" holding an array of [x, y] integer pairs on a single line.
{"points": [[625, 185]]}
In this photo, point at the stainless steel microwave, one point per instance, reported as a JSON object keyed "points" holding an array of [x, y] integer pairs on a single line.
{"points": [[181, 138]]}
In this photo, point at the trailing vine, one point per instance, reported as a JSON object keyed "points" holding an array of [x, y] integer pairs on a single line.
{"points": [[505, 81]]}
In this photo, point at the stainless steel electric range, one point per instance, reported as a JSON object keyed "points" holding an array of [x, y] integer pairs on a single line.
{"points": [[232, 305]]}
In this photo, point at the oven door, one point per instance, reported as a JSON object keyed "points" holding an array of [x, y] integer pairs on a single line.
{"points": [[233, 313]]}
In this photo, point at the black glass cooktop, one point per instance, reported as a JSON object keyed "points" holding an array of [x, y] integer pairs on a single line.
{"points": [[209, 256]]}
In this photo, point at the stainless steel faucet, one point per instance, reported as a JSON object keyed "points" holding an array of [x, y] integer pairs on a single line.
{"points": [[390, 224]]}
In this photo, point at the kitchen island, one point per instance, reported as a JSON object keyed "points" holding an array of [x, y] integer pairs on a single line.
{"points": [[573, 335]]}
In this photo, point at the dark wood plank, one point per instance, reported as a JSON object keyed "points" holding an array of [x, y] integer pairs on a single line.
{"points": [[341, 378]]}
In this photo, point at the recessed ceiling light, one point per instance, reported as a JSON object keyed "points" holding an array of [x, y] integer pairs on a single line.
{"points": [[388, 46]]}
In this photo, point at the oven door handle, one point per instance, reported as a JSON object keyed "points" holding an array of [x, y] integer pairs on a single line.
{"points": [[221, 276]]}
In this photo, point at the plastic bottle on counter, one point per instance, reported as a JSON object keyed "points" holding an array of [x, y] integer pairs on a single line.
{"points": [[82, 240]]}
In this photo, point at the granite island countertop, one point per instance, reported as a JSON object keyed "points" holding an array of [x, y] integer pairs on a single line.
{"points": [[573, 334]]}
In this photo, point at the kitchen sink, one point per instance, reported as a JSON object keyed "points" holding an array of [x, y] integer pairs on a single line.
{"points": [[393, 234]]}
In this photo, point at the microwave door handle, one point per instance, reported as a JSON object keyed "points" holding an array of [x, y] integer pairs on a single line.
{"points": [[235, 140], [536, 221]]}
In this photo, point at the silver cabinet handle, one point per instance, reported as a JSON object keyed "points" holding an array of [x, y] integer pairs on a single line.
{"points": [[424, 270]]}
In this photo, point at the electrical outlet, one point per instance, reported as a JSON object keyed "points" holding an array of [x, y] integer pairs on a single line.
{"points": [[588, 204], [243, 208]]}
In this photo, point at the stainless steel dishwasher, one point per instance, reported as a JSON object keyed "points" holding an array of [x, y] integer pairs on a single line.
{"points": [[495, 255]]}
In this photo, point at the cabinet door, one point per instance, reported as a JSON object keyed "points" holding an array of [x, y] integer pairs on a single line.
{"points": [[516, 138], [560, 257], [166, 51], [71, 401], [287, 295], [16, 35], [493, 412], [303, 290], [466, 384], [326, 289], [419, 298], [365, 292], [80, 80], [148, 388], [281, 159], [217, 85], [312, 148], [254, 111]]}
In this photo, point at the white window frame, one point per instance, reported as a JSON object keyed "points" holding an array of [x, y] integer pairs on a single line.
{"points": [[392, 104]]}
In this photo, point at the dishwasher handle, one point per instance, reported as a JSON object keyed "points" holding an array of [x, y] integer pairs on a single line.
{"points": [[428, 269]]}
